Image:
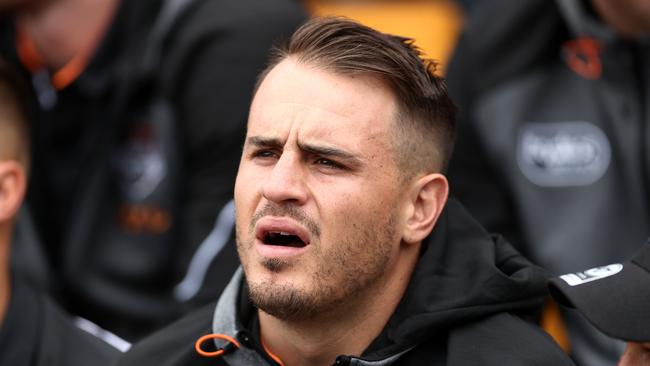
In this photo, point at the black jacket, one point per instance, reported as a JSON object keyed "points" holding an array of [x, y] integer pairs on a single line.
{"points": [[35, 332], [461, 308], [134, 162], [555, 159]]}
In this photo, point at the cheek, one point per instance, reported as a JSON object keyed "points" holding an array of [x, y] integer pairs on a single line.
{"points": [[350, 208], [246, 189], [243, 180], [342, 211], [245, 200]]}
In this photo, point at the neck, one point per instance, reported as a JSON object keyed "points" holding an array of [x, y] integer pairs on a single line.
{"points": [[61, 29], [5, 277], [347, 330]]}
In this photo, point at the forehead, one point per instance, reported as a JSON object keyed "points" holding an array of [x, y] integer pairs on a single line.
{"points": [[315, 103]]}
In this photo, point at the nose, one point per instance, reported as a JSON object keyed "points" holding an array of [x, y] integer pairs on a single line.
{"points": [[286, 183]]}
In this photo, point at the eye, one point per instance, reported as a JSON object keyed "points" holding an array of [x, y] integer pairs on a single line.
{"points": [[328, 163], [263, 154]]}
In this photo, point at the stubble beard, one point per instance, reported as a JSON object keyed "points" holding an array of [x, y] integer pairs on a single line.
{"points": [[341, 274]]}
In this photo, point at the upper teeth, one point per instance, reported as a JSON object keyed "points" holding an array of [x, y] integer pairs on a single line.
{"points": [[280, 233]]}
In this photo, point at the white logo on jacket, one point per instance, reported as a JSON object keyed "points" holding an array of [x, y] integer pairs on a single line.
{"points": [[559, 154], [578, 278]]}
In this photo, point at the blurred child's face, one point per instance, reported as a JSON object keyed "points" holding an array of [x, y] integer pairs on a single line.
{"points": [[636, 354]]}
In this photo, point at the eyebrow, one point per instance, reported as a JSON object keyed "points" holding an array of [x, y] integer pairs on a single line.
{"points": [[349, 160], [260, 141], [328, 151]]}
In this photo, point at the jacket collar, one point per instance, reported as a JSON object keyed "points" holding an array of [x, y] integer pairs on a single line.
{"points": [[227, 319]]}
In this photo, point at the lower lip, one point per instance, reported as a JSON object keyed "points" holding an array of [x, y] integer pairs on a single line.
{"points": [[276, 251]]}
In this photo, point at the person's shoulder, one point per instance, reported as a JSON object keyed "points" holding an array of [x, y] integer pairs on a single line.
{"points": [[247, 15], [488, 52], [231, 37], [64, 343], [174, 344], [504, 339]]}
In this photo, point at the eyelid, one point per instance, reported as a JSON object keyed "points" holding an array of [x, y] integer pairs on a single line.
{"points": [[333, 164], [257, 152]]}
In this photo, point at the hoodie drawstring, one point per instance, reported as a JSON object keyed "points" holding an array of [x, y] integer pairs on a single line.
{"points": [[582, 55], [230, 345], [271, 354]]}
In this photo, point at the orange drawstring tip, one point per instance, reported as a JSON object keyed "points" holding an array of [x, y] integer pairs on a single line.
{"points": [[232, 343], [582, 55]]}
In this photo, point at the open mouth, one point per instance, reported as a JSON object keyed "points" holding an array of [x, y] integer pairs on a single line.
{"points": [[281, 236], [284, 239]]}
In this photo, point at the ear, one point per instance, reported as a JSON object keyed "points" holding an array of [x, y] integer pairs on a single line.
{"points": [[428, 196], [12, 188]]}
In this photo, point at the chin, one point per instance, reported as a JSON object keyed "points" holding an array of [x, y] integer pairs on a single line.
{"points": [[275, 265], [282, 300]]}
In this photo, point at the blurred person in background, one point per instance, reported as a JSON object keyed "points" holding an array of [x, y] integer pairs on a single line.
{"points": [[140, 114], [33, 330], [554, 136], [615, 299]]}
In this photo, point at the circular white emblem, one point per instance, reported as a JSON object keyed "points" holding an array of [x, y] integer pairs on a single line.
{"points": [[562, 153]]}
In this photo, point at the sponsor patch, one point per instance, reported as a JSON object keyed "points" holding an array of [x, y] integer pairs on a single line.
{"points": [[578, 278], [561, 154]]}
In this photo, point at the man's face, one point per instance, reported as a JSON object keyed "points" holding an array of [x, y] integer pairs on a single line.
{"points": [[317, 199], [636, 354]]}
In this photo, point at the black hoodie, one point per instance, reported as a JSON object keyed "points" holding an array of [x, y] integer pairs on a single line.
{"points": [[35, 332], [459, 309]]}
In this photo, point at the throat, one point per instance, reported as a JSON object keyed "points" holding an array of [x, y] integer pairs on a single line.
{"points": [[314, 344], [321, 339]]}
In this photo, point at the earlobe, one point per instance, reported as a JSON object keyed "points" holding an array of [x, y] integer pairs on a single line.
{"points": [[12, 188], [428, 198]]}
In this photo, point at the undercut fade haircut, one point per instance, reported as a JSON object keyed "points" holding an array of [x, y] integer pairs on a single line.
{"points": [[425, 120], [14, 115]]}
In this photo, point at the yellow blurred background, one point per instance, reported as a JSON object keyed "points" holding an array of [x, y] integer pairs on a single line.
{"points": [[433, 24]]}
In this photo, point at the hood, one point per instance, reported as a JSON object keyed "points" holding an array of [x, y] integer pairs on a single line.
{"points": [[226, 320], [464, 274], [582, 22]]}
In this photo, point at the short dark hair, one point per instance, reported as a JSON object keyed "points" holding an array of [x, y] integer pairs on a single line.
{"points": [[14, 113], [425, 123]]}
